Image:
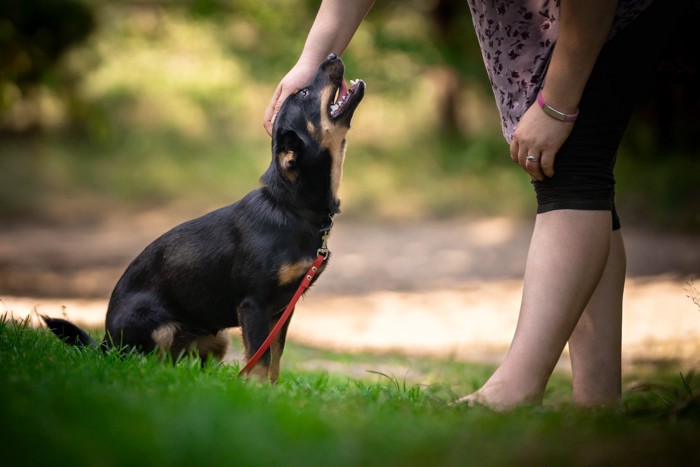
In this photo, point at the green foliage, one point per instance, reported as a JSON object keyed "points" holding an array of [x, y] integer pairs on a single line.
{"points": [[174, 114], [65, 406], [164, 103], [35, 35]]}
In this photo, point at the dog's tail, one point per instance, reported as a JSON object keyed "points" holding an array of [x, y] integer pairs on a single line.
{"points": [[69, 332]]}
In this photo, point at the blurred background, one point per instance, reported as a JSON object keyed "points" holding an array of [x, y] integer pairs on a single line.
{"points": [[121, 119], [132, 105]]}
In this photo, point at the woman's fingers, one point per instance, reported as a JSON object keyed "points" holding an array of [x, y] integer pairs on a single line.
{"points": [[532, 165], [547, 163], [271, 111], [514, 150], [528, 158]]}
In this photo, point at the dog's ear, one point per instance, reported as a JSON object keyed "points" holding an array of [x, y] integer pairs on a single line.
{"points": [[288, 160], [288, 147], [288, 140]]}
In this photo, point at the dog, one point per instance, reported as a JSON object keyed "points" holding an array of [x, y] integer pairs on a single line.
{"points": [[241, 264]]}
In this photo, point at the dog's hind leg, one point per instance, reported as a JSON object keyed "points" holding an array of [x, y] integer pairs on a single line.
{"points": [[167, 339], [141, 322], [214, 345], [175, 339]]}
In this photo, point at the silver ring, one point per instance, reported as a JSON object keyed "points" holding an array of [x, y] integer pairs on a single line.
{"points": [[532, 159]]}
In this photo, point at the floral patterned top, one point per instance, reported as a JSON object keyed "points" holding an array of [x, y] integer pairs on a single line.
{"points": [[517, 38]]}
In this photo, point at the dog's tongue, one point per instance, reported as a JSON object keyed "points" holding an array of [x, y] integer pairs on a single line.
{"points": [[343, 90], [342, 95]]}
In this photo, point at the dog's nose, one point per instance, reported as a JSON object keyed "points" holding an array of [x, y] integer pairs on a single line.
{"points": [[331, 56]]}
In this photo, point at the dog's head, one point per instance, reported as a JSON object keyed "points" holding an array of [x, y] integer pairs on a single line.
{"points": [[308, 137]]}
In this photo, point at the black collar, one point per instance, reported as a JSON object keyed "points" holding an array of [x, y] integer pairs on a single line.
{"points": [[323, 220]]}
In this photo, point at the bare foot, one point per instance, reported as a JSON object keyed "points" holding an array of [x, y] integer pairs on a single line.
{"points": [[470, 400], [498, 397]]}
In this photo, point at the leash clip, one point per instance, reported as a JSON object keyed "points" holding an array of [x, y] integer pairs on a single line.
{"points": [[323, 251], [326, 231]]}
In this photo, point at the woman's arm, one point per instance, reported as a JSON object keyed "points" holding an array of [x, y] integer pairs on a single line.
{"points": [[584, 26], [333, 28]]}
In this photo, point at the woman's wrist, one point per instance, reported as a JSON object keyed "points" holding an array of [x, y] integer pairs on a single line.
{"points": [[555, 113]]}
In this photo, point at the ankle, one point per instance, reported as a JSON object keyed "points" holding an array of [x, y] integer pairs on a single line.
{"points": [[590, 400]]}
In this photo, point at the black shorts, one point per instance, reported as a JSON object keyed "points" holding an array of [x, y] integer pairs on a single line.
{"points": [[583, 168]]}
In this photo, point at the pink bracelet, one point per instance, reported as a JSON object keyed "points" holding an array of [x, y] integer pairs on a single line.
{"points": [[554, 113]]}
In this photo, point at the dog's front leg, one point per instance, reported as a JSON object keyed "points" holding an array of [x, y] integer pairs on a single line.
{"points": [[254, 327], [277, 348]]}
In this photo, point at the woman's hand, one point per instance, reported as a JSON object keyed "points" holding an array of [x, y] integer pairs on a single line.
{"points": [[584, 26], [297, 78], [334, 26], [540, 136]]}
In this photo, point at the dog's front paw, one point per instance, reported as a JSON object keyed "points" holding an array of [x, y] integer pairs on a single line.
{"points": [[258, 373]]}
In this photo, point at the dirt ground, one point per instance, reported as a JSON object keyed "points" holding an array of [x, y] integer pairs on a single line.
{"points": [[439, 288]]}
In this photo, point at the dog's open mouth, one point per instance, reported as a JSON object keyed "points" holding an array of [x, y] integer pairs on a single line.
{"points": [[346, 98]]}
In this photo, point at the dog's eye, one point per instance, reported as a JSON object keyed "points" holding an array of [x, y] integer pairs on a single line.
{"points": [[304, 92]]}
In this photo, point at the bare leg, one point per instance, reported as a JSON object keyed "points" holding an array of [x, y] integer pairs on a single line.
{"points": [[595, 345], [568, 253]]}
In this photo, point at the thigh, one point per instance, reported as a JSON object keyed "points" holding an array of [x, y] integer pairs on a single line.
{"points": [[623, 72]]}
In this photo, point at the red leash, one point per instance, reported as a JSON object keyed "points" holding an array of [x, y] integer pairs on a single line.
{"points": [[305, 283]]}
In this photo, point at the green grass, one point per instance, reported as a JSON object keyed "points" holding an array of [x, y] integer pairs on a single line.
{"points": [[64, 406]]}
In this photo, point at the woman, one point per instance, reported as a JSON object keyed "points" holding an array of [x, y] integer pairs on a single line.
{"points": [[566, 75]]}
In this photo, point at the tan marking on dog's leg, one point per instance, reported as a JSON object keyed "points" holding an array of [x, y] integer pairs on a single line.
{"points": [[259, 372], [275, 358], [214, 345], [164, 335], [290, 272]]}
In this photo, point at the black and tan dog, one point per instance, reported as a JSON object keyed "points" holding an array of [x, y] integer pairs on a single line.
{"points": [[241, 264]]}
